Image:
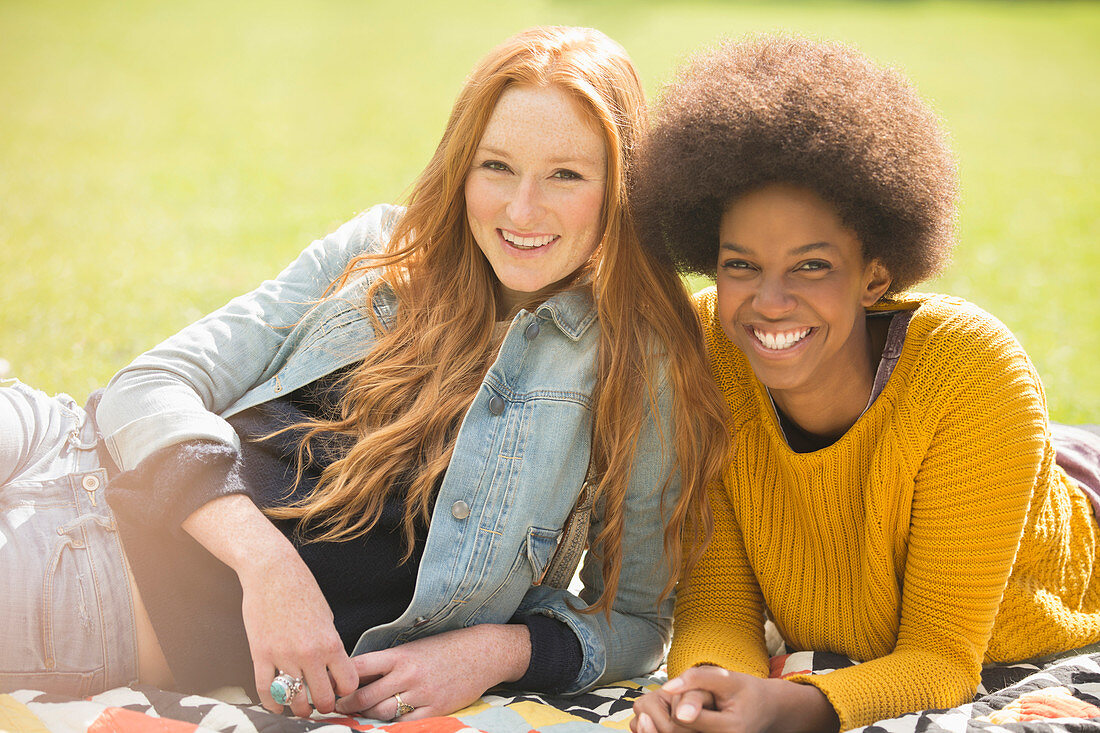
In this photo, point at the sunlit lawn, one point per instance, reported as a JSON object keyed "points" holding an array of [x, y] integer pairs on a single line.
{"points": [[157, 158]]}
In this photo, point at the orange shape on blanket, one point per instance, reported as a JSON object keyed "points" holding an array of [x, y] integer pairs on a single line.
{"points": [[1052, 702], [112, 720], [353, 723], [442, 724], [776, 664]]}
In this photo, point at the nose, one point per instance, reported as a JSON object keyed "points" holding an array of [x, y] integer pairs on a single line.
{"points": [[772, 298], [525, 208]]}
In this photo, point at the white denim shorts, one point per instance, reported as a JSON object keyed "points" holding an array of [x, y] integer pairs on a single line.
{"points": [[66, 614]]}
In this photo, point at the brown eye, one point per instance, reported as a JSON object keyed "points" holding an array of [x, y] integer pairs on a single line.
{"points": [[736, 265]]}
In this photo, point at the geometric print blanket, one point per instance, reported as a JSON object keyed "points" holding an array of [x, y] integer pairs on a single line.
{"points": [[1045, 697]]}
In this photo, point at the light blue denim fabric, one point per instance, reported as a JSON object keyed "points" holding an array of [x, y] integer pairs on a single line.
{"points": [[520, 460], [66, 616]]}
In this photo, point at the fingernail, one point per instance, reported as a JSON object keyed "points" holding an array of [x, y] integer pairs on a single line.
{"points": [[686, 713], [644, 723]]}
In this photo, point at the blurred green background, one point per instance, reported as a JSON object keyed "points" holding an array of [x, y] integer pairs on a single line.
{"points": [[157, 158]]}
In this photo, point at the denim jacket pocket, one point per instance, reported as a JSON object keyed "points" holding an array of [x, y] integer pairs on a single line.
{"points": [[530, 562], [541, 544]]}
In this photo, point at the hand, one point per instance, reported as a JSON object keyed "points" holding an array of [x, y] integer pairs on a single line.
{"points": [[741, 703], [653, 712], [438, 674], [286, 617], [290, 628]]}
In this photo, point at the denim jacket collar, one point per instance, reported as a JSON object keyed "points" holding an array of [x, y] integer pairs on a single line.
{"points": [[572, 311]]}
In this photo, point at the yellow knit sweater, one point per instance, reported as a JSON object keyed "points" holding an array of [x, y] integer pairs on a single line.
{"points": [[935, 533]]}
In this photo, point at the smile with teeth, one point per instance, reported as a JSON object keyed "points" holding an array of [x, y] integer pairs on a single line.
{"points": [[781, 340], [520, 242]]}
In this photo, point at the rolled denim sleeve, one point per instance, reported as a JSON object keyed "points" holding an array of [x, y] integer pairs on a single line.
{"points": [[178, 391], [632, 641]]}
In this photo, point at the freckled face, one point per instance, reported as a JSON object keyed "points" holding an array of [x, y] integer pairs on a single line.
{"points": [[535, 192], [792, 288]]}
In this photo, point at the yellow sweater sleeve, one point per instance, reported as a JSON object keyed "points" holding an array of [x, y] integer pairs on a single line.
{"points": [[970, 502], [719, 608]]}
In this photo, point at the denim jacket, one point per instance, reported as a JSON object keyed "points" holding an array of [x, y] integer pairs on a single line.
{"points": [[520, 460]]}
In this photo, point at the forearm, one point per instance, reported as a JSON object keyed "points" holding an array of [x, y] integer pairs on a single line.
{"points": [[900, 682], [511, 643], [234, 530], [719, 605]]}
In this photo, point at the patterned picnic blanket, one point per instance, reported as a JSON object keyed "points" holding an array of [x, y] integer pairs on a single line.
{"points": [[1060, 695]]}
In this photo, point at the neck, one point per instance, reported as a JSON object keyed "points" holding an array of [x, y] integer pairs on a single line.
{"points": [[831, 407]]}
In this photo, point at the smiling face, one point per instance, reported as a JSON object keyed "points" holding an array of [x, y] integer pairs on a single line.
{"points": [[792, 288], [535, 192]]}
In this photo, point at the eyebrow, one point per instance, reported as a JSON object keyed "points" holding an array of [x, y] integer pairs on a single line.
{"points": [[563, 160], [811, 247]]}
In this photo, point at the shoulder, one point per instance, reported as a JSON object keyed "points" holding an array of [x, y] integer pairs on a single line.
{"points": [[956, 332], [959, 350]]}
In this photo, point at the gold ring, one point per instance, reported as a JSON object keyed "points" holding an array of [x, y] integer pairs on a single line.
{"points": [[403, 708]]}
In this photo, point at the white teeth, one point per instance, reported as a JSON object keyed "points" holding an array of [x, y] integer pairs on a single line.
{"points": [[779, 341], [527, 242]]}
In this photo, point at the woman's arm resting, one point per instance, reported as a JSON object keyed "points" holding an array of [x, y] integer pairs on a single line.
{"points": [[288, 622]]}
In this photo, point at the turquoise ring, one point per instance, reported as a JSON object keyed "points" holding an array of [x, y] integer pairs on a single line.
{"points": [[284, 688]]}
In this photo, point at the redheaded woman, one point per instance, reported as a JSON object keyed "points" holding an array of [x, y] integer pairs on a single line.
{"points": [[354, 478]]}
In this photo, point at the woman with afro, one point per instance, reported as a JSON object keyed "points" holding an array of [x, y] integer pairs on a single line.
{"points": [[893, 491]]}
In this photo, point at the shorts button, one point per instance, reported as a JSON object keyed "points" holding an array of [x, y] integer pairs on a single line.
{"points": [[460, 509], [496, 405], [90, 483]]}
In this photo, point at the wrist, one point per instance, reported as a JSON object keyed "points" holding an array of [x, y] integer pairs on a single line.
{"points": [[806, 708], [513, 643]]}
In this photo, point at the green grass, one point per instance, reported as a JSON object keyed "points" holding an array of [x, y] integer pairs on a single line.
{"points": [[157, 158]]}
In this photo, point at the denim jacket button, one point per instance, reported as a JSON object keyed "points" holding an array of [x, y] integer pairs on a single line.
{"points": [[90, 483], [496, 405], [532, 331], [460, 509]]}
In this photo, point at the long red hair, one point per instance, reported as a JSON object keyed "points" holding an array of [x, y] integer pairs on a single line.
{"points": [[402, 405]]}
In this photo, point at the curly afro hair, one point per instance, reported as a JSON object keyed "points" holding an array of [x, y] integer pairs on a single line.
{"points": [[786, 109]]}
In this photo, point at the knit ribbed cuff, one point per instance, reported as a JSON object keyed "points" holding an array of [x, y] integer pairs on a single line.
{"points": [[556, 656]]}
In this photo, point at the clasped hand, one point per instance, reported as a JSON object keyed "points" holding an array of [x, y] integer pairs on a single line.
{"points": [[714, 700]]}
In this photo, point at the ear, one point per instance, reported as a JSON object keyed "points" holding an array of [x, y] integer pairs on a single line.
{"points": [[876, 281]]}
